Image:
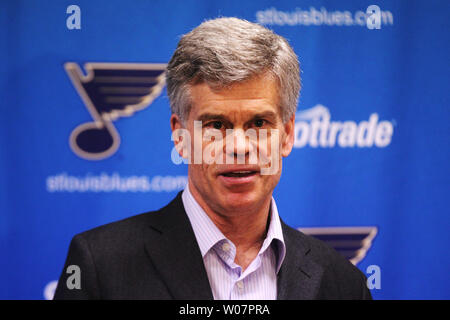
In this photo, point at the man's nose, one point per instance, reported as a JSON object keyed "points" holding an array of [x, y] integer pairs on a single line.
{"points": [[240, 143], [240, 146]]}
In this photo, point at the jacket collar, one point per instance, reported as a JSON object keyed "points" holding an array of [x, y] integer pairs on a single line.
{"points": [[300, 276], [173, 250]]}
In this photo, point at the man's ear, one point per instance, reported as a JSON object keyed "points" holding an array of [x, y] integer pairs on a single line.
{"points": [[175, 122], [177, 133], [288, 139]]}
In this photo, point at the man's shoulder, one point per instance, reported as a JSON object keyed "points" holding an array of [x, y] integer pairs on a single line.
{"points": [[339, 278], [120, 227], [313, 247], [128, 231], [118, 238], [114, 256], [323, 254]]}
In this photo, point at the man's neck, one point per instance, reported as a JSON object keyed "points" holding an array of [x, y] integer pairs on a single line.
{"points": [[247, 229]]}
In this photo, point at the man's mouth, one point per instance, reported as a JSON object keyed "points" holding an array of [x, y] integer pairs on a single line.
{"points": [[239, 174]]}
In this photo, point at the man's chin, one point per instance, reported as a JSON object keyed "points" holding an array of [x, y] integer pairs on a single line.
{"points": [[240, 201]]}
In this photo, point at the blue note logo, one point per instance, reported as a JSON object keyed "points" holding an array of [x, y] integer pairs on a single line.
{"points": [[111, 91], [351, 242]]}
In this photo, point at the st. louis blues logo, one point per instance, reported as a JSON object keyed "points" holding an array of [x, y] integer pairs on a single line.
{"points": [[352, 242], [111, 91]]}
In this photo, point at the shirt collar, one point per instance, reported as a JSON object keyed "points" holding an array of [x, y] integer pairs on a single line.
{"points": [[208, 235]]}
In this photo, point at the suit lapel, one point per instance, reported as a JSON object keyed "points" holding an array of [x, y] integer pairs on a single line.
{"points": [[173, 250], [299, 277]]}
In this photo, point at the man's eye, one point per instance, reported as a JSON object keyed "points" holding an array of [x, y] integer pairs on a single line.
{"points": [[259, 123], [216, 125]]}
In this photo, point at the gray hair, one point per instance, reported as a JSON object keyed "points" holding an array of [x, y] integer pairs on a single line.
{"points": [[224, 51]]}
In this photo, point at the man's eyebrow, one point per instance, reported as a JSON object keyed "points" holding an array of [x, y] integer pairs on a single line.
{"points": [[211, 116], [265, 114], [217, 116]]}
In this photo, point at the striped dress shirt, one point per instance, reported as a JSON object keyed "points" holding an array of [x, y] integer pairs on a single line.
{"points": [[226, 278]]}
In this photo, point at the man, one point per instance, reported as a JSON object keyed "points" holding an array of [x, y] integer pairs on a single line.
{"points": [[233, 88]]}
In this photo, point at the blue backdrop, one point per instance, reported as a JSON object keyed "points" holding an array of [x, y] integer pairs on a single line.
{"points": [[372, 132]]}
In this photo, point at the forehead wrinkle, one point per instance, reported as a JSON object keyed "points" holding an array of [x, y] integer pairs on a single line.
{"points": [[256, 88]]}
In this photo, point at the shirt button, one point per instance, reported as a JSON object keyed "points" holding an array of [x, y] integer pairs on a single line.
{"points": [[240, 285], [226, 247]]}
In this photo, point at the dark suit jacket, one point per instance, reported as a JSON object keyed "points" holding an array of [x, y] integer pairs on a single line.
{"points": [[155, 255]]}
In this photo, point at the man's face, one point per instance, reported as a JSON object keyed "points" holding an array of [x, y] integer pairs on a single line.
{"points": [[230, 187]]}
